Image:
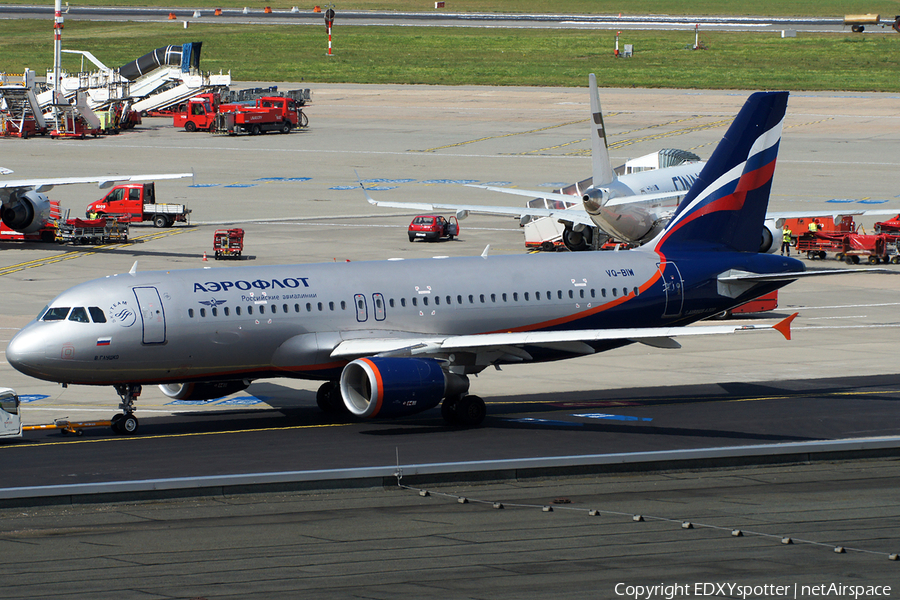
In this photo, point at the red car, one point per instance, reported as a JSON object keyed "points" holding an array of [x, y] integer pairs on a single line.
{"points": [[432, 228]]}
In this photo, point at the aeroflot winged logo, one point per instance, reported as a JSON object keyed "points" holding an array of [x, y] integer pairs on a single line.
{"points": [[213, 303]]}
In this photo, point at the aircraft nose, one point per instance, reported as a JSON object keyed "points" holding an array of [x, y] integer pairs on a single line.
{"points": [[24, 352]]}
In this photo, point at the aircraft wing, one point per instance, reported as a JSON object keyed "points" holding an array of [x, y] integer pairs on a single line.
{"points": [[8, 186], [831, 214], [512, 345], [576, 215], [630, 199]]}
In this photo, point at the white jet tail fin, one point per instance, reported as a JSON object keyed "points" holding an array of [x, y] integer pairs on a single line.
{"points": [[602, 170]]}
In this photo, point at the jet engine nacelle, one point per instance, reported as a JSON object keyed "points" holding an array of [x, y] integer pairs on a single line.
{"points": [[593, 199], [26, 212], [206, 390], [395, 387], [771, 238]]}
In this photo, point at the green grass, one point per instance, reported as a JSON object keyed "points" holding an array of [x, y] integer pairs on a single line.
{"points": [[822, 8], [460, 56]]}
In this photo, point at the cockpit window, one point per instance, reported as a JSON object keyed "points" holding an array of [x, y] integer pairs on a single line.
{"points": [[57, 313], [97, 315], [79, 315]]}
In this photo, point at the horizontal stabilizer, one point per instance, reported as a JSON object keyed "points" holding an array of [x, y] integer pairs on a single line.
{"points": [[769, 277]]}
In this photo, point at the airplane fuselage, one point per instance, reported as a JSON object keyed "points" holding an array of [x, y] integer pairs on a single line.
{"points": [[251, 322]]}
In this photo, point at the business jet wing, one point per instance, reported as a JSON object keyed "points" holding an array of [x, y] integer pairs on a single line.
{"points": [[616, 201], [489, 347], [574, 216], [9, 187]]}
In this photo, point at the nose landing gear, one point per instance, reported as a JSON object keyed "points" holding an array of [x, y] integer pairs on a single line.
{"points": [[126, 423]]}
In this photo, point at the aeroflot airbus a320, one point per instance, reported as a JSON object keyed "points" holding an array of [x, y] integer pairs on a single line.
{"points": [[394, 338]]}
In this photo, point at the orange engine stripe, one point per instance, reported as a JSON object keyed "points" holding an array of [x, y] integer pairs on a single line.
{"points": [[379, 386]]}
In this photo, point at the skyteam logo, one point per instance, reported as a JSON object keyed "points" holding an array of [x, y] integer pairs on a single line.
{"points": [[126, 317], [122, 314]]}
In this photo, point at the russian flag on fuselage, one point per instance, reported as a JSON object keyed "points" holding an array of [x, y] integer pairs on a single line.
{"points": [[727, 204]]}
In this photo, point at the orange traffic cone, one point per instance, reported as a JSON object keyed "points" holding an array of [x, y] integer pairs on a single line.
{"points": [[204, 256]]}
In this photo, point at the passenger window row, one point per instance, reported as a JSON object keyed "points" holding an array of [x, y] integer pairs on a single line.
{"points": [[514, 297], [581, 294]]}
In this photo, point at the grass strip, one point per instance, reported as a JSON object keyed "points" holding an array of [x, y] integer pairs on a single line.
{"points": [[462, 56]]}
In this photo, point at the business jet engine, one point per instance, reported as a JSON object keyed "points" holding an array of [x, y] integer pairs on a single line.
{"points": [[384, 387], [771, 238], [25, 211], [206, 390]]}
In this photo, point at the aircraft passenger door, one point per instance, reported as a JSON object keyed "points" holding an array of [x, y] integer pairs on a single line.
{"points": [[673, 286], [153, 317], [362, 312], [378, 300]]}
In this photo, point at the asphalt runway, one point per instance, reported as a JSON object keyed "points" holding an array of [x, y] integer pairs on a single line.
{"points": [[296, 197]]}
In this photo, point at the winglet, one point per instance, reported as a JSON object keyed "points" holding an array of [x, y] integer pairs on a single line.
{"points": [[365, 191], [784, 326], [133, 269], [486, 250]]}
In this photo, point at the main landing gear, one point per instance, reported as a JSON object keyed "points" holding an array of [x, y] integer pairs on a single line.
{"points": [[463, 411], [329, 399], [126, 423]]}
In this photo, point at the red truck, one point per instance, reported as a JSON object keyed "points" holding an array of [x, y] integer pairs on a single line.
{"points": [[198, 113], [137, 201], [269, 113]]}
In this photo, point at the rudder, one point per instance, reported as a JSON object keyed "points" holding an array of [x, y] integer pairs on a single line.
{"points": [[727, 205]]}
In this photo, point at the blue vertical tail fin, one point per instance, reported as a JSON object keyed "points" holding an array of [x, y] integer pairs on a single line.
{"points": [[726, 207]]}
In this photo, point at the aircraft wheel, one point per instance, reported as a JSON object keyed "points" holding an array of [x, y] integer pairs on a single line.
{"points": [[448, 410], [328, 398], [129, 424], [470, 411], [116, 424]]}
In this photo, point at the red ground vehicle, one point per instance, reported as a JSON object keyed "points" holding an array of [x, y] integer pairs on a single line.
{"points": [[270, 113], [228, 243], [432, 228], [137, 201], [891, 227], [828, 237], [198, 113], [877, 248]]}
